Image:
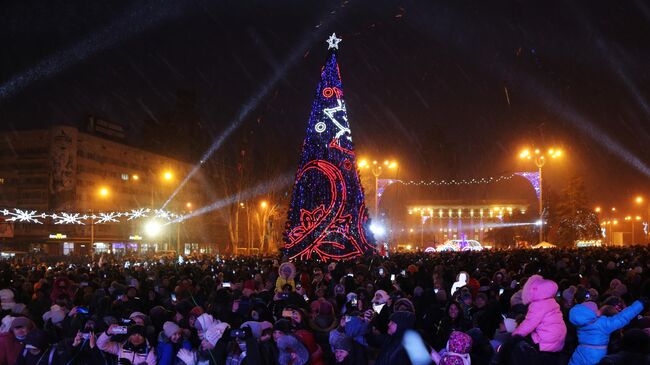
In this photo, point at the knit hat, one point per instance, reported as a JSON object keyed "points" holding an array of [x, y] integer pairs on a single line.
{"points": [[56, 314], [196, 311], [21, 322], [256, 328], [7, 299], [403, 320], [404, 304], [170, 329], [138, 314], [569, 293], [382, 296], [343, 343], [6, 323]]}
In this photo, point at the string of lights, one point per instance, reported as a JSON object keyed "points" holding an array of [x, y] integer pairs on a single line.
{"points": [[483, 180], [36, 217]]}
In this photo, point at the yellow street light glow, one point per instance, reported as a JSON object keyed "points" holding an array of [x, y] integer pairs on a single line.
{"points": [[168, 176], [264, 204], [386, 162], [628, 218], [189, 205], [615, 221], [637, 217], [537, 151], [639, 199], [241, 205], [613, 209], [103, 192], [392, 165], [135, 177], [363, 163], [597, 210]]}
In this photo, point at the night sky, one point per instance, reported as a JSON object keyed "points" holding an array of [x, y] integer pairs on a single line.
{"points": [[450, 89]]}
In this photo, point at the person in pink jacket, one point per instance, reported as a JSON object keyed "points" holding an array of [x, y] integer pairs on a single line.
{"points": [[544, 320]]}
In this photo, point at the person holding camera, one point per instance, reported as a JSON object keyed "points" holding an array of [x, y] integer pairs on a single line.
{"points": [[82, 349], [136, 349], [242, 347]]}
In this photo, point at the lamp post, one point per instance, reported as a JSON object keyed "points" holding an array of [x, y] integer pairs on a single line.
{"points": [[377, 168], [103, 193], [539, 158], [639, 200]]}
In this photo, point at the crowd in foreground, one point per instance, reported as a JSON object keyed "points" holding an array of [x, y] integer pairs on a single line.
{"points": [[585, 306]]}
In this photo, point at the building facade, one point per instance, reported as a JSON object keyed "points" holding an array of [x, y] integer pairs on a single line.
{"points": [[63, 169]]}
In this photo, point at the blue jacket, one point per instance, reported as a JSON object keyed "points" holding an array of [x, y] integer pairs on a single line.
{"points": [[166, 350], [594, 331]]}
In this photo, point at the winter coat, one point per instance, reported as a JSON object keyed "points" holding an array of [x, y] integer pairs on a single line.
{"points": [[167, 350], [82, 354], [309, 341], [281, 281], [124, 351], [10, 347], [594, 331], [48, 357], [544, 318]]}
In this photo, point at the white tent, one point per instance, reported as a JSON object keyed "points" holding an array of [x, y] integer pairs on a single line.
{"points": [[544, 244]]}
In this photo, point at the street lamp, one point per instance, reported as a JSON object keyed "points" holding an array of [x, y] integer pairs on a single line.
{"points": [[639, 200], [103, 192], [377, 169], [540, 160]]}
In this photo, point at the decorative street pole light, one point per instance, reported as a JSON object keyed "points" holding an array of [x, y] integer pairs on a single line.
{"points": [[646, 229], [377, 170], [539, 158]]}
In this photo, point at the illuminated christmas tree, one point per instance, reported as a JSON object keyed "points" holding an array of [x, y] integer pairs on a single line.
{"points": [[328, 219]]}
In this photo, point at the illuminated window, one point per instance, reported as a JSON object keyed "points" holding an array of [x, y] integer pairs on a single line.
{"points": [[125, 177], [68, 248]]}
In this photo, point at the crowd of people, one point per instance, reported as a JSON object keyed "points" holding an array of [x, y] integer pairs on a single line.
{"points": [[577, 306]]}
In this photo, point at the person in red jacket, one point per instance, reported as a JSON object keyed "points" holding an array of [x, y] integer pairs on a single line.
{"points": [[11, 343]]}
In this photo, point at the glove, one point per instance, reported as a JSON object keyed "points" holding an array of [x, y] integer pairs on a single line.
{"points": [[186, 356]]}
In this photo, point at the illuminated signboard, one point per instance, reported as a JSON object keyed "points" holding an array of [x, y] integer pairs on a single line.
{"points": [[58, 236]]}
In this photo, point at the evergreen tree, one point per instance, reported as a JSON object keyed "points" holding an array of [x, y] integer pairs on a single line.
{"points": [[327, 215], [576, 220]]}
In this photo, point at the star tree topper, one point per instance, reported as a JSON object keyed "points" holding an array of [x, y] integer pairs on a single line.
{"points": [[333, 42]]}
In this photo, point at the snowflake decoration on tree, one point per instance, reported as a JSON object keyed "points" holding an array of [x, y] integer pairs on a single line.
{"points": [[137, 213], [68, 218], [19, 215], [108, 217]]}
